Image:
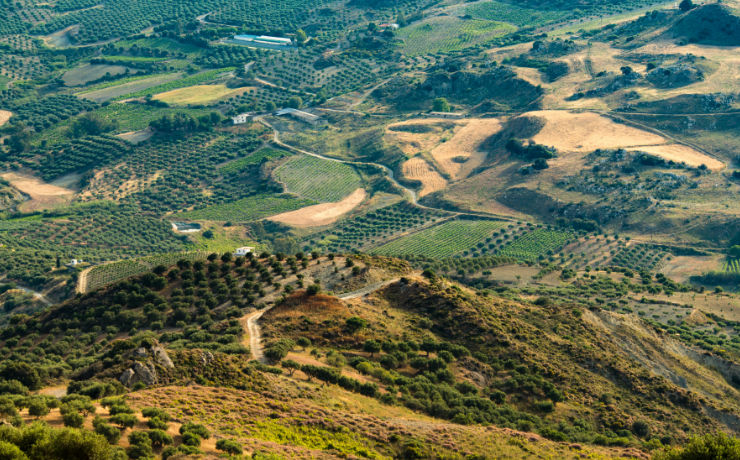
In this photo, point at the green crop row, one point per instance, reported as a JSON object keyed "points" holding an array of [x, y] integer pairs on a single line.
{"points": [[444, 240], [317, 179]]}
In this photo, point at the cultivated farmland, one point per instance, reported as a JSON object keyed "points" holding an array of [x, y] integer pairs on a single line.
{"points": [[445, 34], [536, 244], [249, 208], [317, 179], [199, 94], [444, 240], [103, 275]]}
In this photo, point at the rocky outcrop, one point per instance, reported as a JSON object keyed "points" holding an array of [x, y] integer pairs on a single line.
{"points": [[144, 368]]}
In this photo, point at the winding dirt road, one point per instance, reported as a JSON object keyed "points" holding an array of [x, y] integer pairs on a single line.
{"points": [[253, 337]]}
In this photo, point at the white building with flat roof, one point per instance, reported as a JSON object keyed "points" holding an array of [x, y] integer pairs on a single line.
{"points": [[242, 118], [243, 251], [262, 40]]}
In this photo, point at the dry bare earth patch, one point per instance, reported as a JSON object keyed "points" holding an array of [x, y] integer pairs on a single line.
{"points": [[460, 155], [588, 131], [321, 214], [199, 94], [726, 78], [41, 195], [418, 169], [680, 268], [419, 134], [136, 137], [5, 116]]}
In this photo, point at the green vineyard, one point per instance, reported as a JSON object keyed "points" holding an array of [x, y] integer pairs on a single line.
{"points": [[317, 179], [104, 275], [535, 244], [444, 240], [732, 266]]}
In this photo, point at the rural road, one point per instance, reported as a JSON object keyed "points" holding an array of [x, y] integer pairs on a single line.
{"points": [[407, 192], [249, 322], [367, 289], [255, 336], [37, 295], [276, 139]]}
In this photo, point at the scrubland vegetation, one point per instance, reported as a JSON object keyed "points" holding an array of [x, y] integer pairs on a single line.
{"points": [[567, 288]]}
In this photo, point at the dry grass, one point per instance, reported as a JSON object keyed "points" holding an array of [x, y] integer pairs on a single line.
{"points": [[5, 116], [321, 214], [300, 419], [683, 154], [41, 195], [136, 137], [460, 155], [199, 94], [723, 79], [419, 134], [419, 170], [586, 132], [680, 268]]}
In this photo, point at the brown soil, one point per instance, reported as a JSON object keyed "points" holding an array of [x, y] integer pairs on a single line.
{"points": [[42, 195], [462, 154], [418, 169], [321, 214]]}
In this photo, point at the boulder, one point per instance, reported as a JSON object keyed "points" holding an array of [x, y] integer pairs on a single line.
{"points": [[162, 358], [127, 377]]}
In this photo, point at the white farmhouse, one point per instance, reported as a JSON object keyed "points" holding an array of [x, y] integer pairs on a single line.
{"points": [[243, 251], [241, 118]]}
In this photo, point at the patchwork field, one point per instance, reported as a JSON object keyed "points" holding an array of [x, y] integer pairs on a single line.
{"points": [[250, 208], [585, 132], [199, 94], [418, 169], [588, 131], [321, 214], [683, 154], [317, 179], [112, 92]]}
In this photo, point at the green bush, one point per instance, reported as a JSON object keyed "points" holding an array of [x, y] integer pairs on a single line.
{"points": [[156, 424], [140, 445], [111, 433], [710, 447], [159, 438], [37, 407], [152, 412], [229, 446], [73, 419], [124, 420]]}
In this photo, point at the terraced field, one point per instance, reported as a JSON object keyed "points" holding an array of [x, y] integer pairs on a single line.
{"points": [[444, 240], [317, 179]]}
